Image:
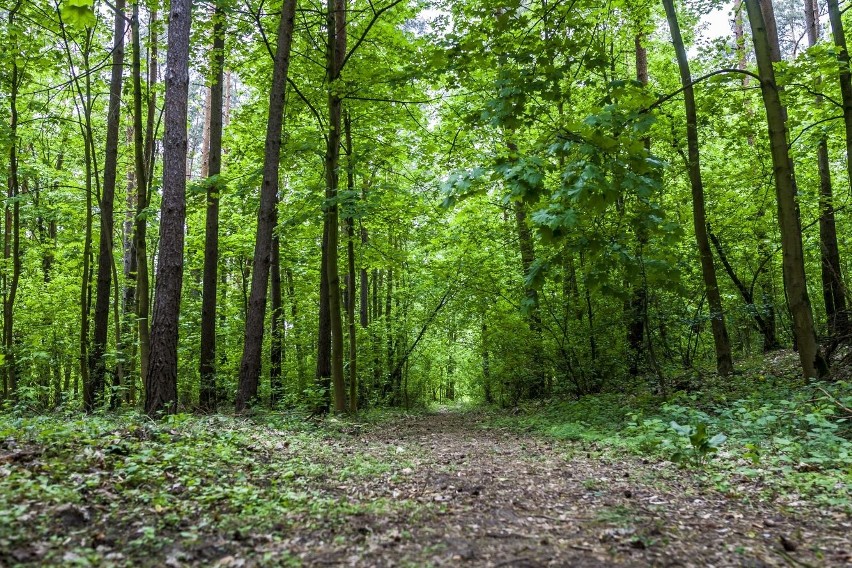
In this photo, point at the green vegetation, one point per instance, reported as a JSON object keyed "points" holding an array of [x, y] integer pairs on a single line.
{"points": [[795, 438], [236, 235], [135, 486]]}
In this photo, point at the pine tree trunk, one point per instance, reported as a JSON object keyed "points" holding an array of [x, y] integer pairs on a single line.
{"points": [[212, 167], [336, 52], [250, 365], [812, 361], [161, 384]]}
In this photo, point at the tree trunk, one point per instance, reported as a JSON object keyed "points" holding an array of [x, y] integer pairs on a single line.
{"points": [[250, 365], [813, 363], [161, 384], [722, 343], [833, 290], [212, 167], [350, 289], [297, 335], [94, 389], [143, 145], [277, 326], [636, 306], [323, 372], [336, 52], [11, 249], [844, 77], [365, 285]]}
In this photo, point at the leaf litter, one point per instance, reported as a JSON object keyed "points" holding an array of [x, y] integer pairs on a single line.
{"points": [[441, 489]]}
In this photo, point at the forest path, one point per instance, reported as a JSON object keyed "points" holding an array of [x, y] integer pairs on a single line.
{"points": [[475, 496]]}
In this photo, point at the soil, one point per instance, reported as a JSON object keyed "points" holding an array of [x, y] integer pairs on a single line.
{"points": [[463, 494], [499, 498]]}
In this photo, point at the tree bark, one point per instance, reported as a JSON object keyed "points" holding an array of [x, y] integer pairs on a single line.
{"points": [[833, 290], [94, 389], [143, 145], [350, 289], [277, 331], [323, 371], [636, 306], [812, 361], [250, 365], [844, 76], [11, 249], [161, 385], [212, 167], [721, 341], [336, 52]]}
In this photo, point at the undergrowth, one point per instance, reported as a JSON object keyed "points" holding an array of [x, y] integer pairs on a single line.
{"points": [[95, 490], [792, 439]]}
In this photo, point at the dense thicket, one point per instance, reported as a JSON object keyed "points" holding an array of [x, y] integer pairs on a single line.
{"points": [[484, 200]]}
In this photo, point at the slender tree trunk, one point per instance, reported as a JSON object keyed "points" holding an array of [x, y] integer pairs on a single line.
{"points": [[212, 167], [637, 304], [813, 363], [350, 289], [844, 77], [297, 335], [276, 356], [336, 53], [94, 390], [128, 347], [251, 362], [208, 116], [766, 308], [161, 385], [11, 249], [833, 290], [143, 145], [724, 362], [771, 29], [767, 330], [84, 113], [323, 371]]}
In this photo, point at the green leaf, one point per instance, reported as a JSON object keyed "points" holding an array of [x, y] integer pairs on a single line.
{"points": [[79, 13]]}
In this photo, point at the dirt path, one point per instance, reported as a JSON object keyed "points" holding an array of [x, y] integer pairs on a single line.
{"points": [[479, 497]]}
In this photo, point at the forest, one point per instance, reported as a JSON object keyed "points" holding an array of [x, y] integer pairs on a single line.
{"points": [[294, 282]]}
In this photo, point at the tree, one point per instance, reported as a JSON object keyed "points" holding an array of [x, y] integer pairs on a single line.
{"points": [[214, 187], [813, 364], [844, 77], [833, 289], [93, 390], [335, 57], [266, 216], [161, 383], [724, 362], [12, 238]]}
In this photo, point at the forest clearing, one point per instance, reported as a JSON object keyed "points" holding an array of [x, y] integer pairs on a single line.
{"points": [[425, 282]]}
